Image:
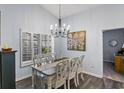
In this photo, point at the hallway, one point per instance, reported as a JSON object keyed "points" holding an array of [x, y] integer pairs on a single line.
{"points": [[109, 72]]}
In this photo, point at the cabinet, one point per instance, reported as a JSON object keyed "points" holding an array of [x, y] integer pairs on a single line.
{"points": [[119, 64], [7, 70]]}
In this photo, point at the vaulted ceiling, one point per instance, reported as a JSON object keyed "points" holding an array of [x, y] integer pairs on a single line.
{"points": [[67, 9]]}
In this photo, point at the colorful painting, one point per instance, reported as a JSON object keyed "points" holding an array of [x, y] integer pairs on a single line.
{"points": [[77, 41]]}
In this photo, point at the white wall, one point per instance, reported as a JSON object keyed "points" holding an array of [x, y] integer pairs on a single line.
{"points": [[35, 19], [94, 21], [58, 47], [32, 18]]}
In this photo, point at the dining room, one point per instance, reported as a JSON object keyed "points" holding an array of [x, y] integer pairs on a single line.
{"points": [[55, 46]]}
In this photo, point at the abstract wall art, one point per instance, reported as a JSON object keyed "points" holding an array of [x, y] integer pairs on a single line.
{"points": [[76, 41]]}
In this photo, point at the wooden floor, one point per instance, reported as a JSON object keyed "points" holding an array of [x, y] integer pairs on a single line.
{"points": [[110, 73], [90, 82]]}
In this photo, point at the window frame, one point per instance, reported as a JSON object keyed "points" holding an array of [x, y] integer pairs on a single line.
{"points": [[30, 62]]}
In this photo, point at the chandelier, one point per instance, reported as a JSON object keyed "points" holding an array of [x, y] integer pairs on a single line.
{"points": [[59, 30]]}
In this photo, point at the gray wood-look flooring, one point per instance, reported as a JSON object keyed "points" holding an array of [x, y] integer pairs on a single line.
{"points": [[110, 73], [90, 82]]}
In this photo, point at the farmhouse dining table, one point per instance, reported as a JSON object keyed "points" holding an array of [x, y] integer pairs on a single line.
{"points": [[47, 70]]}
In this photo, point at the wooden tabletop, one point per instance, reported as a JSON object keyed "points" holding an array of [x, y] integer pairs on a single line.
{"points": [[49, 69]]}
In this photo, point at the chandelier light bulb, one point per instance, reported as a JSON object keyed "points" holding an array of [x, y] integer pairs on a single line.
{"points": [[63, 25], [55, 25], [51, 27], [69, 26], [62, 29]]}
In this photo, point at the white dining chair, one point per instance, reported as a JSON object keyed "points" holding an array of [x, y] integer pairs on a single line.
{"points": [[50, 57], [53, 55], [80, 69], [38, 60], [61, 74], [72, 70], [58, 79]]}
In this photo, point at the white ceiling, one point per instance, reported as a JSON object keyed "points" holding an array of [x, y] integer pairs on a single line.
{"points": [[67, 9]]}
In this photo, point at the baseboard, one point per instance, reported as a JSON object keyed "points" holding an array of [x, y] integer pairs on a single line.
{"points": [[92, 74], [18, 79], [108, 61]]}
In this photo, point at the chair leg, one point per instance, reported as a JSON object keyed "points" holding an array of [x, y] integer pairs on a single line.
{"points": [[77, 79], [68, 84], [82, 77], [75, 82], [42, 84], [65, 85], [56, 87]]}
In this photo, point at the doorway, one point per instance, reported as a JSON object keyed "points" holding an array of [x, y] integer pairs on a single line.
{"points": [[113, 41]]}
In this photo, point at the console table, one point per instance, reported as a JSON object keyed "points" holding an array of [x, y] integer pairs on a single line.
{"points": [[119, 64]]}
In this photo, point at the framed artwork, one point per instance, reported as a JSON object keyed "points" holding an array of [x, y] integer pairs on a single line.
{"points": [[76, 41]]}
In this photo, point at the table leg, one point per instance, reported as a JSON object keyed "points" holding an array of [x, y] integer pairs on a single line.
{"points": [[49, 82], [33, 78]]}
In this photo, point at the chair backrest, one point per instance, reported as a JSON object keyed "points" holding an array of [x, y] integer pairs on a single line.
{"points": [[73, 66], [43, 59], [50, 57], [53, 55], [80, 63], [81, 60], [61, 72], [37, 60]]}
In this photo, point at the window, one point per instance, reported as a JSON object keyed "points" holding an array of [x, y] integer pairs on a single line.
{"points": [[26, 45], [33, 44], [36, 44]]}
